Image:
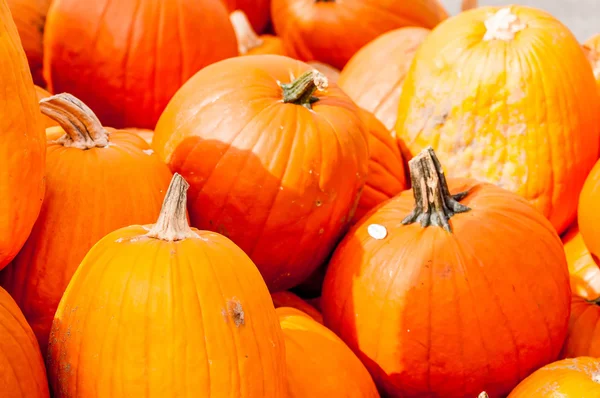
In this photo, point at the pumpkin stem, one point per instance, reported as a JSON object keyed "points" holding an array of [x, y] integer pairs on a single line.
{"points": [[434, 205], [483, 394], [246, 36], [503, 25], [594, 57], [81, 125], [301, 90], [172, 224]]}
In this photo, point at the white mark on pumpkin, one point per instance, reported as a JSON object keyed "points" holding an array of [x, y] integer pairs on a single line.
{"points": [[119, 240], [377, 231], [596, 378], [148, 151], [235, 311]]}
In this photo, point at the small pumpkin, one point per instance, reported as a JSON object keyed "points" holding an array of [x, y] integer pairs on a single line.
{"points": [[332, 31], [22, 143], [583, 266], [30, 18], [249, 43], [257, 11], [464, 276], [517, 124], [126, 59], [583, 339], [588, 216], [23, 371], [319, 364], [576, 377], [332, 74], [374, 75], [592, 50], [276, 158], [97, 180], [289, 299], [151, 304]]}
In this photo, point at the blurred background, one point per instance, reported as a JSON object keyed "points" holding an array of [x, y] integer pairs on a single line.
{"points": [[581, 16]]}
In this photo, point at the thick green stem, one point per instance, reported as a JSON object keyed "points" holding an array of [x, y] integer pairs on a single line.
{"points": [[301, 90], [434, 205]]}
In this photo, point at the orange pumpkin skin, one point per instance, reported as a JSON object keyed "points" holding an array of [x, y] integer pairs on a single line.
{"points": [[258, 11], [374, 75], [312, 351], [30, 18], [332, 74], [587, 211], [280, 180], [583, 339], [23, 372], [583, 268], [22, 150], [319, 30], [576, 377], [144, 134], [162, 309], [125, 59], [493, 123], [89, 193], [249, 43], [418, 304], [386, 167], [289, 299], [592, 50]]}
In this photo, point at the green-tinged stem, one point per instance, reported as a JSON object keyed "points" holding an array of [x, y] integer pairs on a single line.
{"points": [[301, 90]]}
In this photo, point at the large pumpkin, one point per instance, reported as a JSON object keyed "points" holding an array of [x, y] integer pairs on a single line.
{"points": [[576, 377], [487, 90], [249, 43], [588, 216], [23, 374], [30, 18], [22, 143], [319, 364], [584, 329], [374, 75], [165, 310], [276, 159], [96, 182], [592, 50], [332, 31], [429, 291], [583, 266], [258, 11], [127, 58]]}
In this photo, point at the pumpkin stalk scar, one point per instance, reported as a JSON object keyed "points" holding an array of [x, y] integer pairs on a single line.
{"points": [[483, 394], [434, 205], [301, 90], [503, 25], [172, 224], [246, 36], [82, 127]]}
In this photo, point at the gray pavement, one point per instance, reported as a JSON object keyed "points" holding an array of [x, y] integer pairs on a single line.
{"points": [[581, 16]]}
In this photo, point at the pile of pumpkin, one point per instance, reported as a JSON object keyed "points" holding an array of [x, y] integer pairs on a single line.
{"points": [[246, 226]]}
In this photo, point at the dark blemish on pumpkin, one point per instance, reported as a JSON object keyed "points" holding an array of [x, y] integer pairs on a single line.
{"points": [[440, 119], [318, 203], [236, 312]]}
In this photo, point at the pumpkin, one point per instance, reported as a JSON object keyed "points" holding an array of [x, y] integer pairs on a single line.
{"points": [[518, 124], [468, 4], [30, 17], [258, 11], [289, 299], [588, 216], [312, 353], [429, 291], [575, 377], [144, 134], [126, 59], [276, 159], [332, 74], [23, 372], [374, 75], [386, 167], [41, 94], [22, 154], [174, 310], [592, 50], [96, 182], [583, 338], [583, 267], [249, 43], [332, 31]]}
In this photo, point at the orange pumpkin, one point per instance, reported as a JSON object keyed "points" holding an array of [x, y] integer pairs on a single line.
{"points": [[583, 267], [576, 377], [95, 182], [276, 159], [22, 153], [429, 291], [258, 11], [312, 352], [30, 18], [386, 167], [145, 134], [333, 31], [174, 310], [289, 299], [41, 94], [592, 50], [249, 43], [374, 75], [588, 216], [583, 338], [332, 74], [23, 372], [487, 90], [127, 58]]}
